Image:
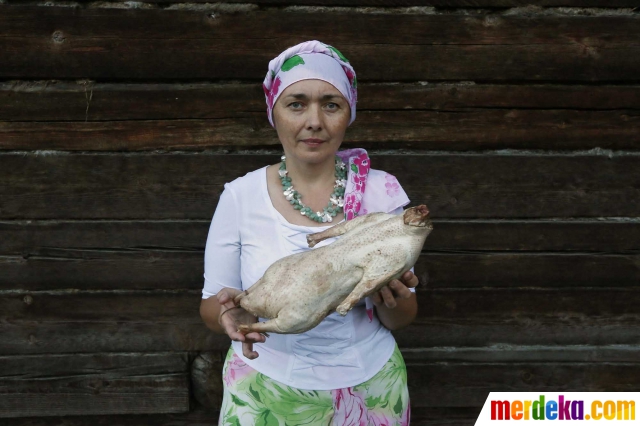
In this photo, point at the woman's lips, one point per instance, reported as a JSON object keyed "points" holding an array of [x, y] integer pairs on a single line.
{"points": [[313, 142]]}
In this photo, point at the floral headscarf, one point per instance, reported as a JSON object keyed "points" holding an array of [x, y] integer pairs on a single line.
{"points": [[310, 60]]}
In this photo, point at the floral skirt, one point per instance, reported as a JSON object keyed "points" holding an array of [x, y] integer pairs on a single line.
{"points": [[251, 398]]}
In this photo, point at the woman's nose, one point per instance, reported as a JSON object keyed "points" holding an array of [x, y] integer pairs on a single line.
{"points": [[314, 117]]}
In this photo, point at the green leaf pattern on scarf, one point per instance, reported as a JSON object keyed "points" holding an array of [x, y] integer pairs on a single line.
{"points": [[340, 55], [292, 62]]}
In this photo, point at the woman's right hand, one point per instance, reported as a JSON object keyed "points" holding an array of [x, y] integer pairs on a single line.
{"points": [[229, 321]]}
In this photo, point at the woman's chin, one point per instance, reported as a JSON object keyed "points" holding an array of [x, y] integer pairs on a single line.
{"points": [[315, 153]]}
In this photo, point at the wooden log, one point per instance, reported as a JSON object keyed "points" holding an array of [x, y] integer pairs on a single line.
{"points": [[420, 416], [184, 186], [451, 385], [77, 321], [103, 336], [39, 101], [432, 130], [103, 269], [88, 43], [146, 270], [196, 417], [523, 354], [445, 382], [610, 236], [456, 116], [431, 3], [542, 270], [93, 384], [206, 379]]}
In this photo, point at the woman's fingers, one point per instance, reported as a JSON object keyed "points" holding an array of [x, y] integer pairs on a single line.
{"points": [[409, 279], [376, 298], [388, 297], [247, 350], [396, 289], [247, 346], [400, 289]]}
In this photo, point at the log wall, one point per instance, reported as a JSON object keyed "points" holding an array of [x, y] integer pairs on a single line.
{"points": [[517, 122]]}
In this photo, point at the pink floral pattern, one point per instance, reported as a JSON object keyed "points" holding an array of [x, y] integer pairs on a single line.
{"points": [[256, 398], [271, 93], [351, 205], [392, 185], [362, 161], [350, 409], [236, 370], [406, 416], [360, 182], [359, 166]]}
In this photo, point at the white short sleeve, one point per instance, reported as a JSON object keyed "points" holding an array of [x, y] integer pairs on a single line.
{"points": [[222, 252]]}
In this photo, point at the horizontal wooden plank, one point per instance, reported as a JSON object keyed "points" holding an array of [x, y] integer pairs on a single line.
{"points": [[83, 384], [139, 270], [610, 236], [528, 270], [438, 3], [76, 321], [452, 385], [186, 186], [104, 336], [181, 44], [444, 382], [103, 269], [420, 416], [468, 130], [523, 354], [39, 101], [539, 330], [453, 116]]}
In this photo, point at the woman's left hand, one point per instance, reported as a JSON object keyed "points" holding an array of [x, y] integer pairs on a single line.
{"points": [[396, 289]]}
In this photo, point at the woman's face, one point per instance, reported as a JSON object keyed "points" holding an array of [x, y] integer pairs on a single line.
{"points": [[311, 117]]}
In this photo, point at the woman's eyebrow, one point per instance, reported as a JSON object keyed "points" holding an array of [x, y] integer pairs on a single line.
{"points": [[305, 97]]}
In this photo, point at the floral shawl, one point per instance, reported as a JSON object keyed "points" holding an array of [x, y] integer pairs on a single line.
{"points": [[385, 193]]}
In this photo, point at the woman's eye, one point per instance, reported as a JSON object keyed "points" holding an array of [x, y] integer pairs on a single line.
{"points": [[332, 105], [295, 105]]}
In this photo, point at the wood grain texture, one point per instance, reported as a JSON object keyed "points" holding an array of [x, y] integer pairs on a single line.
{"points": [[451, 385], [104, 336], [64, 43], [434, 3], [141, 255], [82, 322], [423, 130], [39, 101], [169, 270], [206, 379], [93, 384], [420, 416], [598, 236], [183, 186], [442, 379], [129, 117]]}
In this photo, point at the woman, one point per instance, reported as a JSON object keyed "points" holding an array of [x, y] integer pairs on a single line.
{"points": [[347, 370]]}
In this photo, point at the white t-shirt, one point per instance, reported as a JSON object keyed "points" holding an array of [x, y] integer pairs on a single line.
{"points": [[247, 234]]}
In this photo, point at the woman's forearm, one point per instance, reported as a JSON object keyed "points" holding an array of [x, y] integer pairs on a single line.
{"points": [[209, 312], [401, 316]]}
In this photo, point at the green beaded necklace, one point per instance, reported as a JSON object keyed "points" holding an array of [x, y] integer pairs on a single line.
{"points": [[336, 201]]}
